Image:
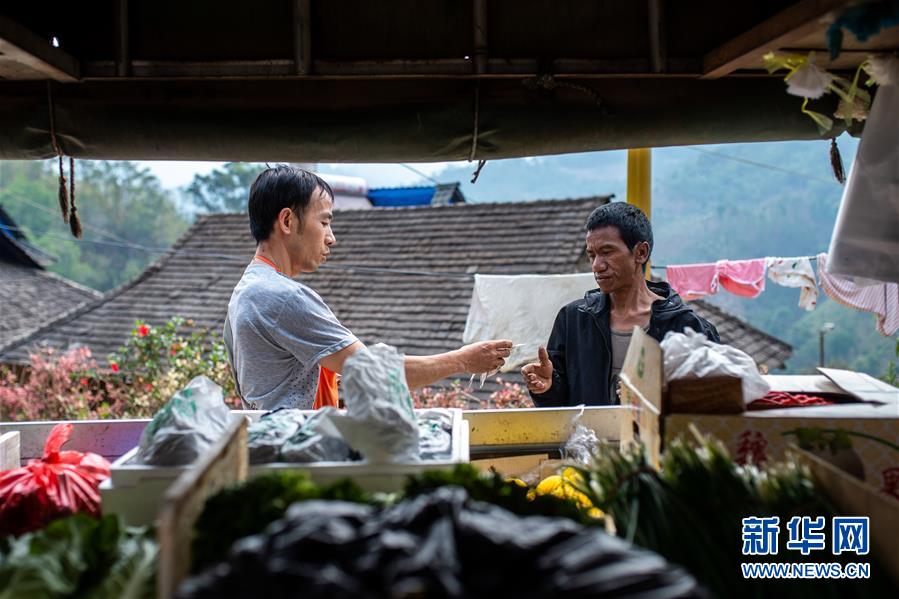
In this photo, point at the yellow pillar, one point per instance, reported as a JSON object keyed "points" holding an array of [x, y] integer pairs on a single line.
{"points": [[639, 182]]}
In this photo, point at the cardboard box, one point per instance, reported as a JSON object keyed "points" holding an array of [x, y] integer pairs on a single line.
{"points": [[852, 497], [860, 435]]}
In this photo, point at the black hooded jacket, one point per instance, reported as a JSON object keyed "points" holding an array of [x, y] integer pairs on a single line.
{"points": [[580, 345]]}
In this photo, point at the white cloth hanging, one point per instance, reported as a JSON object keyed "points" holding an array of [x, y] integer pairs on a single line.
{"points": [[796, 272], [522, 308], [865, 240]]}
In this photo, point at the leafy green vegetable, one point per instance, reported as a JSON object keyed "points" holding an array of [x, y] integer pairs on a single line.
{"points": [[79, 556]]}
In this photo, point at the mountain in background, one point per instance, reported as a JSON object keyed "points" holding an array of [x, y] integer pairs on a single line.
{"points": [[731, 201]]}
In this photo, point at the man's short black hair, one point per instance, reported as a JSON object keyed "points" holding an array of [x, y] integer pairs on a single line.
{"points": [[632, 224], [277, 188]]}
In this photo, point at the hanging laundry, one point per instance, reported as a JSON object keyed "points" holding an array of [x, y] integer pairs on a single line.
{"points": [[796, 272], [745, 278], [882, 298], [691, 281], [521, 308]]}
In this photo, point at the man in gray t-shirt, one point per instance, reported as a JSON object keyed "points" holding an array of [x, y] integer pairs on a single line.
{"points": [[282, 330], [279, 332]]}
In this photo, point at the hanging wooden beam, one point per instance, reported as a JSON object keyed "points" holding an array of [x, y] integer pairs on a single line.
{"points": [[24, 56], [794, 23], [302, 37], [123, 46], [480, 37], [657, 47], [497, 68]]}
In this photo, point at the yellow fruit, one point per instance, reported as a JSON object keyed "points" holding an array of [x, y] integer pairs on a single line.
{"points": [[517, 481], [550, 485], [564, 487], [571, 474]]}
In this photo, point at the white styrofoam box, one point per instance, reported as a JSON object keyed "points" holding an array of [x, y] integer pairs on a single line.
{"points": [[135, 491], [377, 477]]}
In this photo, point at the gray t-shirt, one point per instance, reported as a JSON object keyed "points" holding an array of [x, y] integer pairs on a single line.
{"points": [[620, 342], [280, 330]]}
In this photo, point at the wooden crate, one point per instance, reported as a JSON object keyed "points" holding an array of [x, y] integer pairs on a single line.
{"points": [[852, 497], [224, 465]]}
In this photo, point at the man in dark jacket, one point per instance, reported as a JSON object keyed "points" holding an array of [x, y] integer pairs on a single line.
{"points": [[589, 340]]}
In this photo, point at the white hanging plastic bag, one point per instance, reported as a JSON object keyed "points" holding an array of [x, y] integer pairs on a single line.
{"points": [[379, 422], [690, 355], [581, 444]]}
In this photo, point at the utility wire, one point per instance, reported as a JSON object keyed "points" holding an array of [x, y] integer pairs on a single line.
{"points": [[234, 258], [230, 257], [420, 174], [87, 227], [468, 198], [771, 167]]}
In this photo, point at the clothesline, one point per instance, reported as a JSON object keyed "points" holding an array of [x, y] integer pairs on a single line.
{"points": [[664, 266]]}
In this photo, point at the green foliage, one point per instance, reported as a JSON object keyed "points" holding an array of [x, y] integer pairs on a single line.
{"points": [[119, 203], [157, 361], [892, 376], [79, 557], [143, 375], [225, 189]]}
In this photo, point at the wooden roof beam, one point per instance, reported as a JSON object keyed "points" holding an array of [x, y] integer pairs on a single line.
{"points": [[784, 28], [24, 56]]}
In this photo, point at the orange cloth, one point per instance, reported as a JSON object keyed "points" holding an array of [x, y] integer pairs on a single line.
{"points": [[326, 395]]}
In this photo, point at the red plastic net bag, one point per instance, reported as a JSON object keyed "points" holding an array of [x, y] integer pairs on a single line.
{"points": [[59, 484]]}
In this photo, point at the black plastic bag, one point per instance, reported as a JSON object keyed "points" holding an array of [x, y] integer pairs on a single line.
{"points": [[266, 436], [437, 545]]}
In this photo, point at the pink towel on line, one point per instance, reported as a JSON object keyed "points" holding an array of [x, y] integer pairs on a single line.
{"points": [[691, 281], [745, 278]]}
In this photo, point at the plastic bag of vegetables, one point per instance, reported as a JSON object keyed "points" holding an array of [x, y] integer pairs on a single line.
{"points": [[58, 484]]}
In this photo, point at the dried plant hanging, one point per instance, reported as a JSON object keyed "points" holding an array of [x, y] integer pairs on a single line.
{"points": [[807, 80]]}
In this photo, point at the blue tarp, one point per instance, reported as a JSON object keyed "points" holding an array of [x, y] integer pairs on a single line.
{"points": [[401, 196]]}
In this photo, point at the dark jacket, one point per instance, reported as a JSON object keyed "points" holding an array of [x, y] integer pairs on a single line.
{"points": [[580, 345]]}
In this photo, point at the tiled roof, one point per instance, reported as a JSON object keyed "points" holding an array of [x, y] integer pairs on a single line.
{"points": [[418, 313], [29, 295], [32, 297]]}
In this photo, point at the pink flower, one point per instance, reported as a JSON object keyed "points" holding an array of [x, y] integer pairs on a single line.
{"points": [[113, 366], [84, 382], [143, 330]]}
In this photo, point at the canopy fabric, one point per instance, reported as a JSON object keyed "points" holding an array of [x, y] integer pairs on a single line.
{"points": [[387, 120]]}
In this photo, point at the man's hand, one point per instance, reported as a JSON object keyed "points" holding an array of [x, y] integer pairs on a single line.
{"points": [[539, 375], [484, 356]]}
